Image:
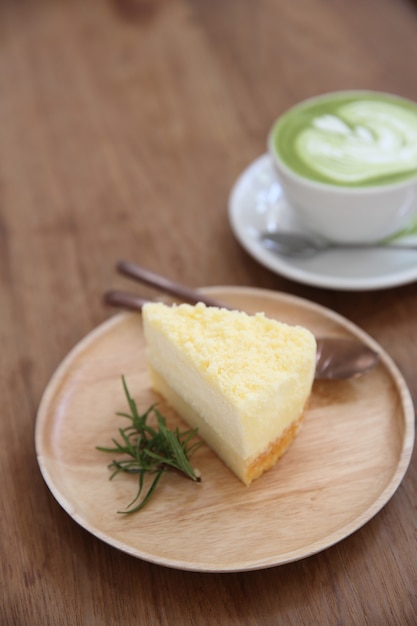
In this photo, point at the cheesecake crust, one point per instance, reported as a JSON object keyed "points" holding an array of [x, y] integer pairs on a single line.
{"points": [[275, 451], [245, 469]]}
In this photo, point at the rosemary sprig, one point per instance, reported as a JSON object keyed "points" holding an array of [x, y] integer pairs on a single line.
{"points": [[150, 451]]}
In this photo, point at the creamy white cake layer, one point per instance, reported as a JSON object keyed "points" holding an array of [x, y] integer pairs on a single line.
{"points": [[248, 377]]}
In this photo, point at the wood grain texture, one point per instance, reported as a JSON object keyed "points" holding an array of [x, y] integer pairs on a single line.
{"points": [[348, 460], [124, 124]]}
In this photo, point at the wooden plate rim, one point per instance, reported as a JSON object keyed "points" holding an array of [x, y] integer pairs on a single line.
{"points": [[274, 560]]}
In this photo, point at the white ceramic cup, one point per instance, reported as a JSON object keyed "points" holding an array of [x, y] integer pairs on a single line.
{"points": [[381, 136]]}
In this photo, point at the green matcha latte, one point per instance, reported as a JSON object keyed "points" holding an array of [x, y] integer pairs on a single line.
{"points": [[349, 139]]}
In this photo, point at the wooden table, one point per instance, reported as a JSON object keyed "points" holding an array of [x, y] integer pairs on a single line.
{"points": [[124, 125]]}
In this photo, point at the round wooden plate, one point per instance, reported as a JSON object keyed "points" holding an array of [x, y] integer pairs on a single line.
{"points": [[346, 463]]}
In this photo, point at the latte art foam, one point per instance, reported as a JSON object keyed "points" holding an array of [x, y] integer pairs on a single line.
{"points": [[350, 140]]}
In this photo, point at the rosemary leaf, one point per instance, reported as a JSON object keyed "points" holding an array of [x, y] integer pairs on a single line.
{"points": [[150, 451]]}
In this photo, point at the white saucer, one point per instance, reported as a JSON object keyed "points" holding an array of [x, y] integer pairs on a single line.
{"points": [[257, 204]]}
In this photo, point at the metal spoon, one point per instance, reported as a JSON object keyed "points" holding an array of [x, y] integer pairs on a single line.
{"points": [[338, 358], [302, 246]]}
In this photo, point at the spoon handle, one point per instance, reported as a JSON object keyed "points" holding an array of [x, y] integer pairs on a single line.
{"points": [[124, 300], [329, 364], [338, 358], [146, 277], [372, 246], [291, 244]]}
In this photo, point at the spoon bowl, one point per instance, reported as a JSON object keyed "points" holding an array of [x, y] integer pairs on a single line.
{"points": [[304, 246], [339, 358]]}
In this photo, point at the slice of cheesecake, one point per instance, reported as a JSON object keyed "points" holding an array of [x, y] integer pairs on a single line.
{"points": [[242, 380]]}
